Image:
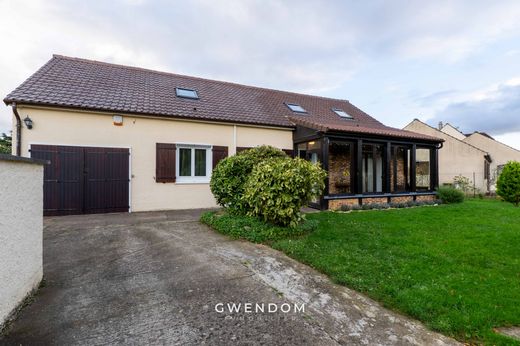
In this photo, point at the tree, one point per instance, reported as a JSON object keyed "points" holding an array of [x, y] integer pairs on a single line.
{"points": [[6, 142], [508, 184]]}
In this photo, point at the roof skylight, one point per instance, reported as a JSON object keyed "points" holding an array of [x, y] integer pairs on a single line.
{"points": [[342, 113], [296, 108], [186, 93]]}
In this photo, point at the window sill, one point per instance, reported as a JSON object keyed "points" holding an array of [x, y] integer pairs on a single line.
{"points": [[192, 182]]}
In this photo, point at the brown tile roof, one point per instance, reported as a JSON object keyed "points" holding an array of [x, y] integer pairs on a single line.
{"points": [[343, 125], [93, 85]]}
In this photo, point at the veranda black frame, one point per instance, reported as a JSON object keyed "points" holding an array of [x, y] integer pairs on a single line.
{"points": [[305, 135]]}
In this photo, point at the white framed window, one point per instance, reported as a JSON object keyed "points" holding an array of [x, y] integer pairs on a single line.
{"points": [[194, 163]]}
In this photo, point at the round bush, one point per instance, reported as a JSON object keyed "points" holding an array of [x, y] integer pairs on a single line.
{"points": [[508, 184], [450, 195], [278, 188], [230, 175]]}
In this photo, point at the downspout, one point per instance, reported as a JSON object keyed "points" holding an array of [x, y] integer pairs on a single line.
{"points": [[18, 130]]}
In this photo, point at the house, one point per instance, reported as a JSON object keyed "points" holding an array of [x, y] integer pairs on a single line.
{"points": [[498, 152], [122, 138], [477, 156]]}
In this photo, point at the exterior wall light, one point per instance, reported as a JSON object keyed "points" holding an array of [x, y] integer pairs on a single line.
{"points": [[28, 122], [118, 120]]}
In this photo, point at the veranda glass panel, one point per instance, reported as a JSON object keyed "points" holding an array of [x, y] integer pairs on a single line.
{"points": [[372, 168], [399, 180], [340, 167], [200, 162], [422, 168], [184, 162]]}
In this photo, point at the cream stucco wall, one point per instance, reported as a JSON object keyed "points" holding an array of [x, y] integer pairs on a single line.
{"points": [[499, 152], [452, 131], [456, 157], [21, 210], [140, 134]]}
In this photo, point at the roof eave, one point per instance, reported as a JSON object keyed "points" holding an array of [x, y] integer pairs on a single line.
{"points": [[385, 136], [144, 114]]}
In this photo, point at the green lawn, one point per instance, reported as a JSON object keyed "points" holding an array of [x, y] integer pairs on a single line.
{"points": [[454, 267]]}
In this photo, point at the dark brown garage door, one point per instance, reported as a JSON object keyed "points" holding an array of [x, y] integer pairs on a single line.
{"points": [[84, 180]]}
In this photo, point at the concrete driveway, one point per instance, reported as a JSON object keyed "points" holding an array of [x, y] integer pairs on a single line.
{"points": [[158, 278]]}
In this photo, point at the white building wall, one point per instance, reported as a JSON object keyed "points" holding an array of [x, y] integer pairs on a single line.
{"points": [[452, 131], [21, 224], [499, 152], [140, 134], [456, 158]]}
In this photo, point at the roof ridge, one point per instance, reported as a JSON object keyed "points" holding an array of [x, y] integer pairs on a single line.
{"points": [[453, 127], [137, 68], [447, 134], [493, 139]]}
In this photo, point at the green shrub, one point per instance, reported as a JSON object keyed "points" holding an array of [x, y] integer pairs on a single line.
{"points": [[230, 175], [450, 195], [253, 229], [261, 153], [278, 188], [508, 184]]}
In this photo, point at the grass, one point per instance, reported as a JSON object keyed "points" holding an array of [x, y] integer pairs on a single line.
{"points": [[454, 267], [251, 228]]}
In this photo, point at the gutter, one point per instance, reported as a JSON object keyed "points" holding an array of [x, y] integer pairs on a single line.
{"points": [[18, 130]]}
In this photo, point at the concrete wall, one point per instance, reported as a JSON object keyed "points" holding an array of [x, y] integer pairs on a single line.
{"points": [[21, 222], [452, 131], [67, 127], [499, 152], [456, 157]]}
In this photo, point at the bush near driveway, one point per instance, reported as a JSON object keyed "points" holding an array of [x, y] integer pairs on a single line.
{"points": [[278, 188], [230, 175], [265, 182], [508, 184]]}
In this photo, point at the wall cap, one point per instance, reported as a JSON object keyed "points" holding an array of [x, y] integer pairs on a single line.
{"points": [[12, 158]]}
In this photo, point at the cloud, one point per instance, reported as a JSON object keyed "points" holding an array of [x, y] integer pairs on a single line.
{"points": [[496, 112], [304, 46]]}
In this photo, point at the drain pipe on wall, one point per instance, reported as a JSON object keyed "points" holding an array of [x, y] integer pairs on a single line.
{"points": [[18, 130]]}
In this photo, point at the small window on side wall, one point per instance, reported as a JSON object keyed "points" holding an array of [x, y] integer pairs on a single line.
{"points": [[187, 163], [196, 162], [193, 163]]}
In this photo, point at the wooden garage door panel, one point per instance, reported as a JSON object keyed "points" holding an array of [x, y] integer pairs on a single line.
{"points": [[71, 179], [51, 186], [106, 180], [84, 179]]}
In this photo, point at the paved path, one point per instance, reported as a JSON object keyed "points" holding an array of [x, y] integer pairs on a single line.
{"points": [[155, 278]]}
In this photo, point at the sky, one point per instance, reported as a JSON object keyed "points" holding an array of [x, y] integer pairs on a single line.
{"points": [[450, 61]]}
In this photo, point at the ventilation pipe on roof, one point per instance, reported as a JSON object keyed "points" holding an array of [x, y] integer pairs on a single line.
{"points": [[18, 130]]}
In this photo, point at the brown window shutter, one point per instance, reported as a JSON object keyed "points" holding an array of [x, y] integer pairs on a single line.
{"points": [[219, 153], [165, 163], [288, 152]]}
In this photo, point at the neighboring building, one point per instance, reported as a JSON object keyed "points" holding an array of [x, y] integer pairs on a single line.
{"points": [[122, 138], [452, 131], [499, 152], [476, 157]]}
